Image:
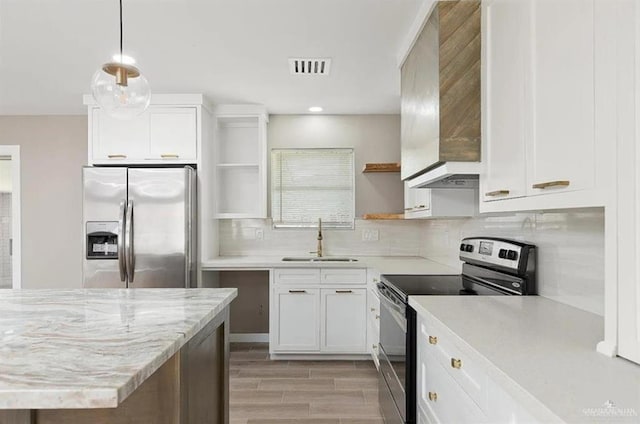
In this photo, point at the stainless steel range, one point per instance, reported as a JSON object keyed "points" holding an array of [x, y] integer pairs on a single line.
{"points": [[492, 267]]}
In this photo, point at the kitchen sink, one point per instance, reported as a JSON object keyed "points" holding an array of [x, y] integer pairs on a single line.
{"points": [[319, 260]]}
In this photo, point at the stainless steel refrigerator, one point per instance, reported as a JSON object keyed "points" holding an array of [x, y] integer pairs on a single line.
{"points": [[139, 227]]}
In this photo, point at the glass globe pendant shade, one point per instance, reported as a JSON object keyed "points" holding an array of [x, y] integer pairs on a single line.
{"points": [[120, 90]]}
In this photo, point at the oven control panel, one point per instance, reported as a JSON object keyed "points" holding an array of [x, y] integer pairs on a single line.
{"points": [[509, 254]]}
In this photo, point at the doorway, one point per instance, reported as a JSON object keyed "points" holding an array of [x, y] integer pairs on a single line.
{"points": [[10, 275]]}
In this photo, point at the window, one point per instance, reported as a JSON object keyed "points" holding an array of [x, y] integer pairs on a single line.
{"points": [[307, 184]]}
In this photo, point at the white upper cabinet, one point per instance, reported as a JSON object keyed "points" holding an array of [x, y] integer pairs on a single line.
{"points": [[505, 99], [116, 140], [562, 149], [173, 133], [168, 132], [546, 65], [439, 203]]}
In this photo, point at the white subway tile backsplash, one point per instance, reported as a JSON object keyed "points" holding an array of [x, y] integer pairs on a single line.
{"points": [[570, 249], [395, 238]]}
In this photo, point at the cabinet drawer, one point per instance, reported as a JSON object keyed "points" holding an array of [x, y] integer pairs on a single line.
{"points": [[296, 276], [343, 276], [471, 378], [441, 397]]}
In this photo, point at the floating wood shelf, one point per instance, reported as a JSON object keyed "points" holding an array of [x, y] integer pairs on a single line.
{"points": [[383, 216], [381, 167]]}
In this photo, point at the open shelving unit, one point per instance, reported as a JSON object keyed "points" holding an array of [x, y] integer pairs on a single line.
{"points": [[241, 162]]}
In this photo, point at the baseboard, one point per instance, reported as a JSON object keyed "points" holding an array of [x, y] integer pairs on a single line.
{"points": [[249, 338]]}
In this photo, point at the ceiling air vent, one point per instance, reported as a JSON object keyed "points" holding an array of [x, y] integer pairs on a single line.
{"points": [[309, 66]]}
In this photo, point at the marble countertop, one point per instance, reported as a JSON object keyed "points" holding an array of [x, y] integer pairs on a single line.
{"points": [[542, 352], [93, 348], [383, 264]]}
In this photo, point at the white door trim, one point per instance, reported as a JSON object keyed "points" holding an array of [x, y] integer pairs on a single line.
{"points": [[14, 153]]}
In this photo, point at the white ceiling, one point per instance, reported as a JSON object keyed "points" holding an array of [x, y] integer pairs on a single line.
{"points": [[234, 51]]}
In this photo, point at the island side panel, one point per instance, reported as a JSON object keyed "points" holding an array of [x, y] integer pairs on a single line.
{"points": [[192, 387]]}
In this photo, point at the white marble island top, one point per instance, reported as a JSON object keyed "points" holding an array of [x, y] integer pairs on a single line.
{"points": [[93, 348]]}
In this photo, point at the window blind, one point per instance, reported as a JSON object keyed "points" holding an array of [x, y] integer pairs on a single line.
{"points": [[307, 184]]}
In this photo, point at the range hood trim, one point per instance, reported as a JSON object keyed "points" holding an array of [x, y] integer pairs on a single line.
{"points": [[463, 171]]}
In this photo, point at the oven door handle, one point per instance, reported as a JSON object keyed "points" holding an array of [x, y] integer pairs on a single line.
{"points": [[390, 303]]}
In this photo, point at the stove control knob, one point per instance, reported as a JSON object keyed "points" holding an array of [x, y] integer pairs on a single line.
{"points": [[463, 247], [502, 254], [512, 255], [468, 248]]}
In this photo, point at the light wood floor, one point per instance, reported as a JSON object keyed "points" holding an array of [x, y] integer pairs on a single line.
{"points": [[305, 392]]}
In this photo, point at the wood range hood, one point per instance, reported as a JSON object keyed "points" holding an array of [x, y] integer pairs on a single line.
{"points": [[441, 100]]}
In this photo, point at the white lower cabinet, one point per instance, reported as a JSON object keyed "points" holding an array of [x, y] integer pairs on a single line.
{"points": [[452, 387], [297, 314], [324, 313], [345, 324]]}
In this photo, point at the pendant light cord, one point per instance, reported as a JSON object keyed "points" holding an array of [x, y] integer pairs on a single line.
{"points": [[120, 31]]}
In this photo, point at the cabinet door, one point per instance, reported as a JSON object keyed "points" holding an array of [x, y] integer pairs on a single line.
{"points": [[562, 155], [297, 319], [119, 140], [505, 100], [417, 202], [173, 133], [344, 320]]}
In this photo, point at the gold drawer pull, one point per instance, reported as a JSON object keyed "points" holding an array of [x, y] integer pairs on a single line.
{"points": [[421, 206], [433, 396], [344, 291], [408, 209], [374, 346], [297, 291], [117, 156], [170, 156], [456, 363], [373, 309], [497, 193], [433, 340], [377, 316], [549, 184]]}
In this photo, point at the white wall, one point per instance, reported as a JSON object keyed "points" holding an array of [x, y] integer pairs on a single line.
{"points": [[53, 150], [570, 249]]}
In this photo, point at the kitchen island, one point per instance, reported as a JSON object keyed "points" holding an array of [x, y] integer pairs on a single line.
{"points": [[114, 356]]}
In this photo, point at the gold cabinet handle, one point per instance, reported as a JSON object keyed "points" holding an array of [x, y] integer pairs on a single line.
{"points": [[117, 156], [374, 346], [456, 363], [550, 184], [297, 291], [375, 280], [169, 156], [433, 340], [373, 309], [344, 291], [421, 206], [408, 209], [377, 316], [497, 193], [433, 396]]}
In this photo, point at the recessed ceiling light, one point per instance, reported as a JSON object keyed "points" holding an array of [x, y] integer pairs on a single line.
{"points": [[315, 109]]}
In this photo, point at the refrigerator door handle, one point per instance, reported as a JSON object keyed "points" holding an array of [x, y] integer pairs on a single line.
{"points": [[128, 242], [121, 227], [187, 228]]}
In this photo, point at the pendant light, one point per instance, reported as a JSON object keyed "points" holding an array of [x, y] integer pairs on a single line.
{"points": [[119, 88]]}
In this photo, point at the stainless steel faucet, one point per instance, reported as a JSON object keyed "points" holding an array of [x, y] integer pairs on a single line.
{"points": [[318, 252]]}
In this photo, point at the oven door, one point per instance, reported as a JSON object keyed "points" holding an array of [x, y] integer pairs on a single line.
{"points": [[393, 353]]}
